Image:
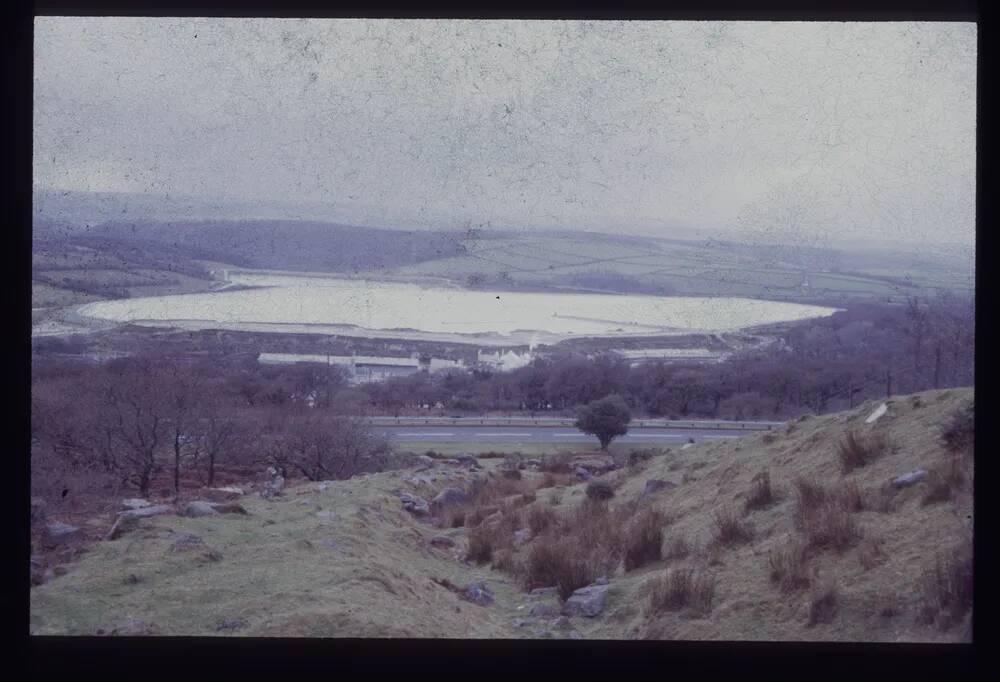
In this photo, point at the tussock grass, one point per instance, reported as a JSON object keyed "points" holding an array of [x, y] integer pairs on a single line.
{"points": [[600, 490], [789, 566], [824, 514], [561, 562], [540, 519], [677, 548], [945, 480], [558, 463], [946, 588], [761, 495], [730, 529], [643, 539], [823, 604], [871, 553], [958, 433], [856, 450], [679, 588]]}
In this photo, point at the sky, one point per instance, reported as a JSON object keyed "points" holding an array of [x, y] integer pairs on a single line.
{"points": [[800, 131]]}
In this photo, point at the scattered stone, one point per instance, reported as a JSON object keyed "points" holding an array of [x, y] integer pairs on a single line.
{"points": [[135, 503], [544, 592], [655, 485], [561, 623], [909, 479], [134, 628], [60, 570], [544, 609], [575, 635], [187, 541], [326, 515], [582, 473], [520, 622], [442, 542], [268, 522], [452, 462], [197, 508], [522, 536], [418, 481], [586, 601], [542, 633], [226, 494], [479, 593], [415, 505], [323, 486], [451, 497], [686, 446], [274, 485], [425, 460], [601, 581], [132, 579], [38, 573], [229, 508], [231, 625], [56, 533], [123, 524], [304, 544], [874, 416], [466, 460], [143, 512]]}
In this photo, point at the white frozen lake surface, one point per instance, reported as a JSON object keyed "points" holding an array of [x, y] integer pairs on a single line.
{"points": [[379, 308]]}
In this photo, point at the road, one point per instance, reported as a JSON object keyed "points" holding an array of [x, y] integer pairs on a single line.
{"points": [[515, 435]]}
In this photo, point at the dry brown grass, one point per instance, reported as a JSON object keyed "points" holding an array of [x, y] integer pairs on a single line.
{"points": [[823, 604], [945, 480], [824, 515], [562, 562], [558, 463], [761, 495], [643, 539], [856, 450], [552, 480], [600, 490], [871, 553], [540, 519], [946, 589], [789, 566], [730, 529], [679, 588], [958, 433], [677, 548]]}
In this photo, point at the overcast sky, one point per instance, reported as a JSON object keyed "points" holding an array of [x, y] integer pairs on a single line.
{"points": [[788, 129]]}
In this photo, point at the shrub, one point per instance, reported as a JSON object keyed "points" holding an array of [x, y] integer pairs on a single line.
{"points": [[790, 566], [729, 529], [855, 450], [946, 589], [823, 604], [809, 494], [958, 433], [482, 543], [643, 541], [761, 496], [830, 526], [503, 560], [848, 496], [555, 499], [944, 480], [540, 519], [562, 562], [678, 588], [558, 463], [600, 490]]}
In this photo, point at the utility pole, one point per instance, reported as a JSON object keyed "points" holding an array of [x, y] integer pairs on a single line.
{"points": [[888, 383]]}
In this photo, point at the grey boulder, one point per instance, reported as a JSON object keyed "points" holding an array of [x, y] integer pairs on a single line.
{"points": [[655, 485], [586, 601], [909, 479]]}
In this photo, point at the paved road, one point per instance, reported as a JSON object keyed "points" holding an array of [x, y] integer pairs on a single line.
{"points": [[529, 434]]}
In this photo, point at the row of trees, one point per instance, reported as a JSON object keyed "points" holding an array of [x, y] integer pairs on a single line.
{"points": [[865, 351], [126, 420]]}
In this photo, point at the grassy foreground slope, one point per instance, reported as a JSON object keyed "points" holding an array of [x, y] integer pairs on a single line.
{"points": [[364, 567]]}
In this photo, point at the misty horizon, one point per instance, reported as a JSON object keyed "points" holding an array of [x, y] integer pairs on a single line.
{"points": [[817, 134]]}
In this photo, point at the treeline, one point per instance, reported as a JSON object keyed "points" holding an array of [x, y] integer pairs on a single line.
{"points": [[866, 351], [105, 426]]}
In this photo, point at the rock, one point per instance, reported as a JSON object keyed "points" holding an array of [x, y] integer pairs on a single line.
{"points": [[452, 462], [544, 609], [442, 542], [575, 635], [134, 628], [199, 508], [536, 463], [323, 486], [876, 414], [274, 486], [522, 536], [542, 633], [595, 466], [582, 473], [135, 503], [38, 574], [229, 508], [601, 581], [415, 505], [909, 479], [479, 593], [123, 524], [466, 460], [187, 541], [223, 494], [655, 485], [561, 623], [419, 481], [544, 592], [686, 446], [520, 622], [586, 601], [37, 510], [451, 497], [143, 512], [425, 460], [56, 533], [326, 515]]}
